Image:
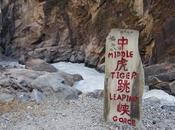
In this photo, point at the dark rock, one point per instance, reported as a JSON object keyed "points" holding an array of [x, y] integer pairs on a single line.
{"points": [[152, 80], [101, 68], [154, 122], [77, 77], [166, 77], [161, 76], [91, 61], [22, 59], [169, 26], [163, 86], [172, 87], [158, 69], [168, 108]]}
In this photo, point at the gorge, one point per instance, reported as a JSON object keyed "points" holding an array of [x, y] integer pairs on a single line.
{"points": [[75, 30], [61, 44]]}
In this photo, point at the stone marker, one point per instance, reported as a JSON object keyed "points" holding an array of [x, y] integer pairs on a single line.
{"points": [[124, 79]]}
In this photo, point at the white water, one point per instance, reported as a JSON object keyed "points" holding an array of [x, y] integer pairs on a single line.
{"points": [[94, 80]]}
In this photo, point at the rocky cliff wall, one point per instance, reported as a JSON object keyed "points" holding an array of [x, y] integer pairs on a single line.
{"points": [[75, 30]]}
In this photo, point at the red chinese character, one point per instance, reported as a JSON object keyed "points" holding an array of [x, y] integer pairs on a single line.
{"points": [[121, 64], [123, 41], [123, 86], [123, 109]]}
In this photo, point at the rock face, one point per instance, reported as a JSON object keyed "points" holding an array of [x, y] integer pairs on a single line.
{"points": [[75, 30], [161, 76]]}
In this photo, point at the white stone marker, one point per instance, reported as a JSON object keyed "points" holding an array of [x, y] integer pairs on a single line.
{"points": [[124, 78]]}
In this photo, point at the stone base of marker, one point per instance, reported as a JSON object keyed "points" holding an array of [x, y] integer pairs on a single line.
{"points": [[124, 78]]}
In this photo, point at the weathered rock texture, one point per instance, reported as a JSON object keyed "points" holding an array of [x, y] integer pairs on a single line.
{"points": [[161, 76], [17, 81], [75, 30]]}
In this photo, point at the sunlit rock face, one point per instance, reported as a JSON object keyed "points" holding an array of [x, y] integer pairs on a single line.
{"points": [[75, 30]]}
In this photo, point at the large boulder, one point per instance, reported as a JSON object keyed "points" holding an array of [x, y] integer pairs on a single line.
{"points": [[55, 82], [161, 76], [172, 87], [37, 83], [39, 65]]}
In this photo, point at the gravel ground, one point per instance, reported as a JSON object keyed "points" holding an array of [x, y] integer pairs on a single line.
{"points": [[82, 114]]}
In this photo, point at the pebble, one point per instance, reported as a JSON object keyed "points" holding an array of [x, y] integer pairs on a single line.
{"points": [[84, 114]]}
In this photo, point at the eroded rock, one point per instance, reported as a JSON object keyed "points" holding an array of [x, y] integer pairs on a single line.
{"points": [[39, 83], [161, 76], [39, 65], [72, 30]]}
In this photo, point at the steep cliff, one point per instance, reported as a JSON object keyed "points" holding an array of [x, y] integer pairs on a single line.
{"points": [[75, 30]]}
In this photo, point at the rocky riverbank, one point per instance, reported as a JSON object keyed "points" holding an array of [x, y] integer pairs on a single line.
{"points": [[85, 113], [38, 104], [35, 81]]}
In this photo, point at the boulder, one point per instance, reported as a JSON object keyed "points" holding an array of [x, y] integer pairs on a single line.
{"points": [[54, 82], [161, 76], [39, 65], [158, 69], [96, 94], [172, 87], [162, 86], [19, 78], [37, 96], [77, 77], [40, 83], [168, 107], [70, 79], [5, 97]]}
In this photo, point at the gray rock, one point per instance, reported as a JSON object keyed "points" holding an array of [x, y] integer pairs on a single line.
{"points": [[53, 82], [161, 76], [5, 97], [91, 61], [67, 92], [101, 68], [152, 100], [159, 69], [169, 108], [172, 87], [72, 58], [25, 81], [39, 65], [96, 94], [37, 96], [162, 85], [48, 82], [77, 77], [23, 97], [70, 79]]}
